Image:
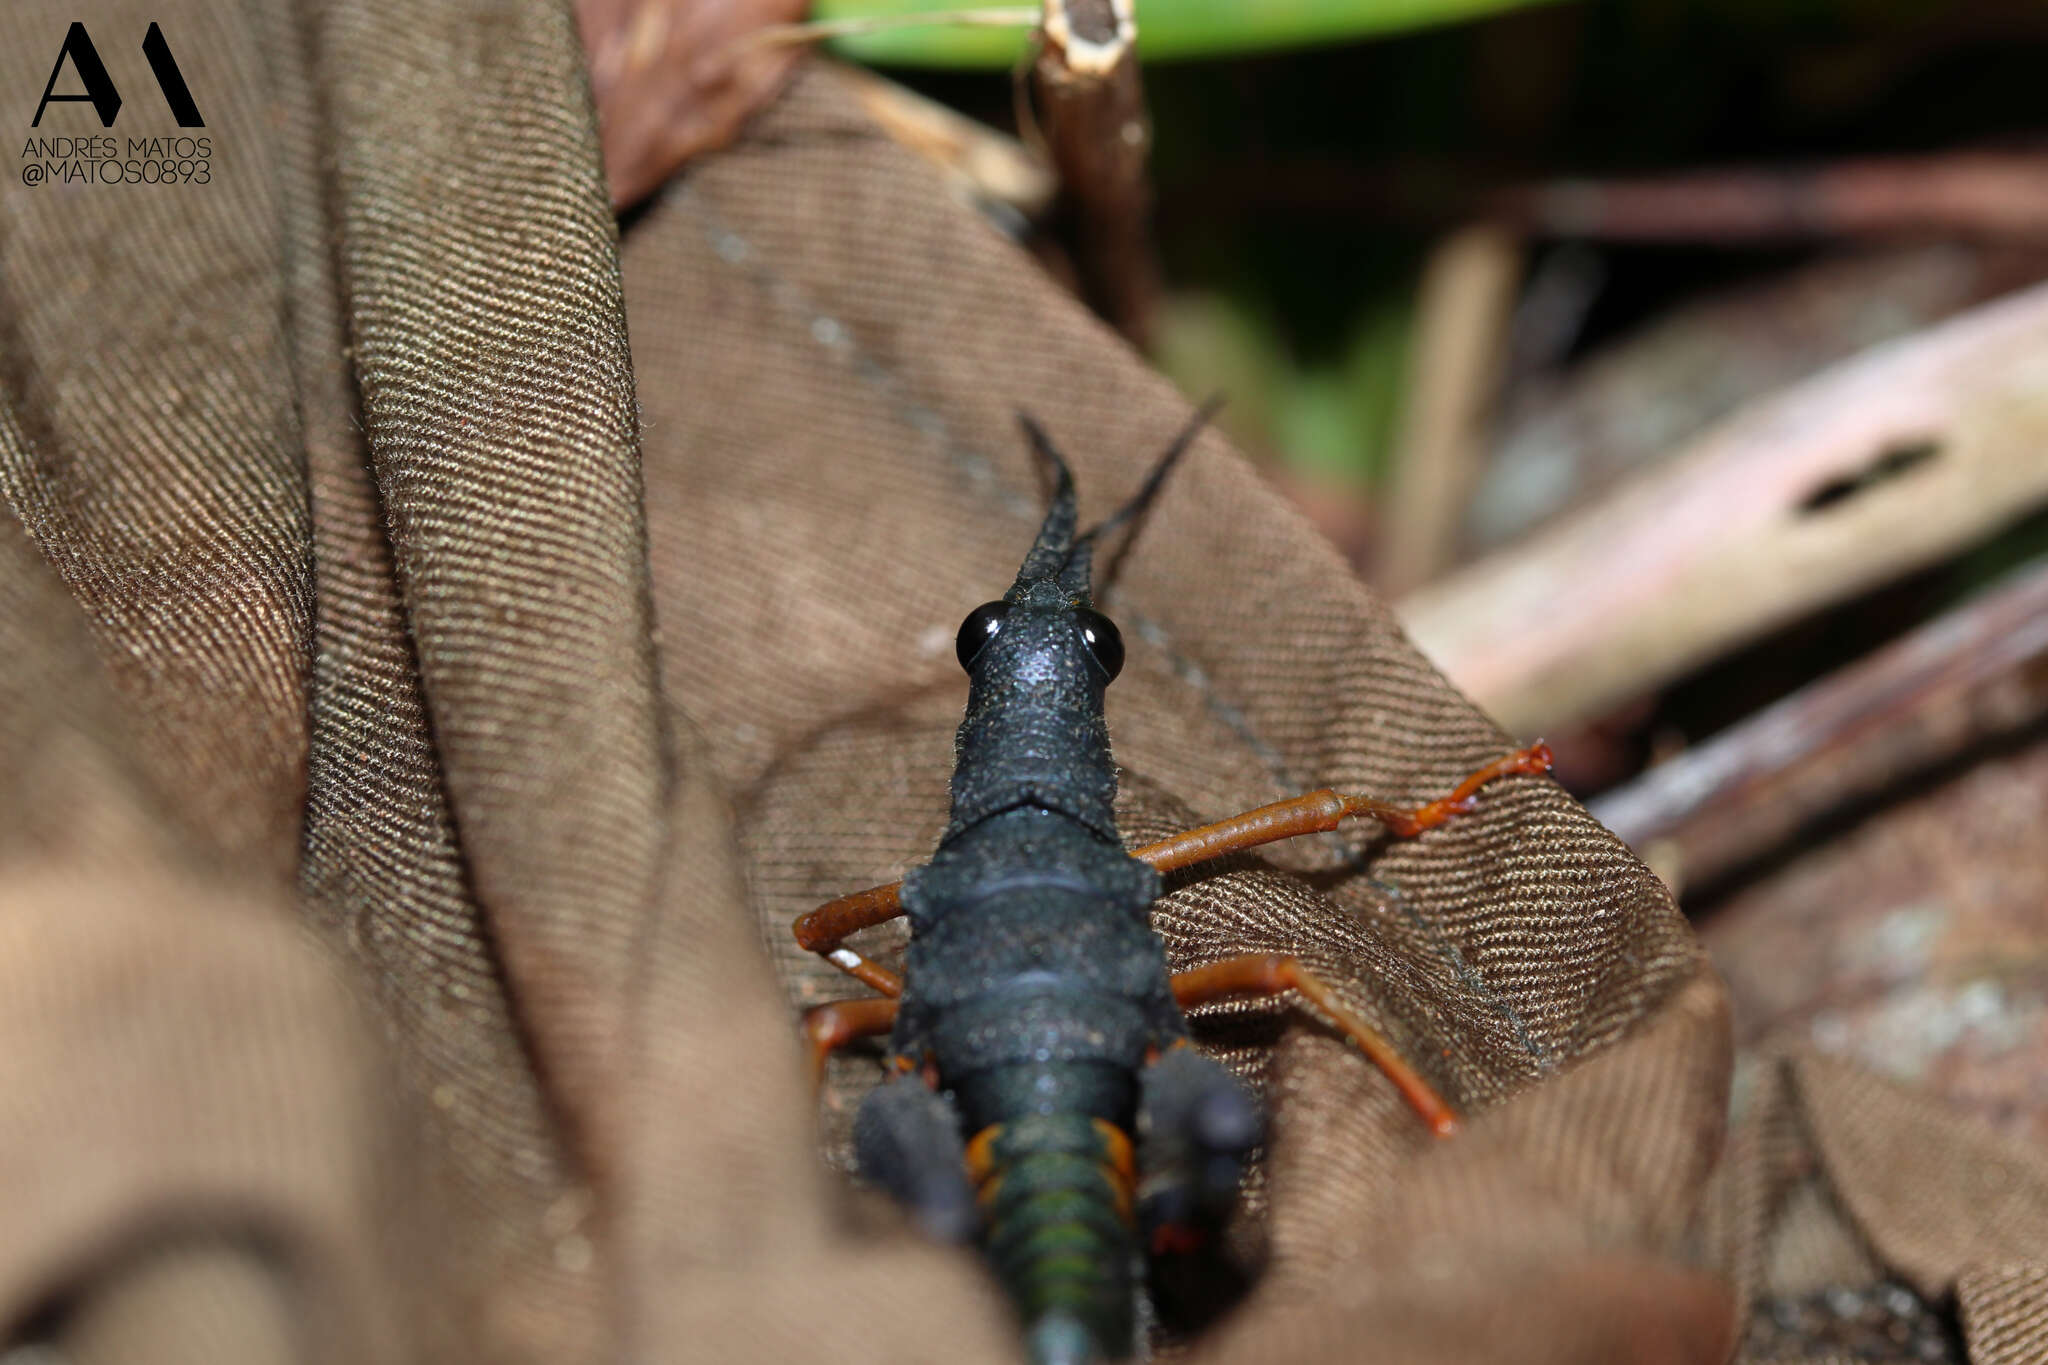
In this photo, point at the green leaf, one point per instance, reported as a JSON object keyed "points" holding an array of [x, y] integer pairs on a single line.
{"points": [[1168, 30]]}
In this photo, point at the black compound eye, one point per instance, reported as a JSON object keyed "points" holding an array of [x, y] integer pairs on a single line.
{"points": [[1105, 642], [978, 629]]}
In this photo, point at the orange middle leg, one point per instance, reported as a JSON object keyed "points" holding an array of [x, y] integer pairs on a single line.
{"points": [[1264, 974], [827, 1028]]}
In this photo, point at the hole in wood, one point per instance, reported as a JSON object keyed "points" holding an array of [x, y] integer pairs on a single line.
{"points": [[1889, 464]]}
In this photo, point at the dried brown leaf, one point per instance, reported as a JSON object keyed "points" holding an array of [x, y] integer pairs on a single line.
{"points": [[673, 78]]}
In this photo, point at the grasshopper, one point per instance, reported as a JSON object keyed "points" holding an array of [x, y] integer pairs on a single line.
{"points": [[1043, 1097]]}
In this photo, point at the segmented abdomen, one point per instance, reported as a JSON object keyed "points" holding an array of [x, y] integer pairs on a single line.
{"points": [[1055, 1193]]}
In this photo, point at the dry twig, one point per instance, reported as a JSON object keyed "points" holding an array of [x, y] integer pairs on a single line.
{"points": [[1466, 297], [1975, 673], [1978, 195], [1994, 195], [975, 158], [1879, 465], [1091, 104]]}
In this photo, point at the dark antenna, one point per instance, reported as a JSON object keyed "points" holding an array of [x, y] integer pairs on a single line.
{"points": [[1077, 571]]}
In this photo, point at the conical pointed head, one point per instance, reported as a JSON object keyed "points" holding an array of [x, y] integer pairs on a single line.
{"points": [[1055, 544], [1059, 555]]}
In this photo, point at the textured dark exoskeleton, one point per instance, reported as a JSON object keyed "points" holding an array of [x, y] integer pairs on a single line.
{"points": [[1036, 1035]]}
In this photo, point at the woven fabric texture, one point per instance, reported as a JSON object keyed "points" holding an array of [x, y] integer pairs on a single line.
{"points": [[1838, 1184], [441, 650]]}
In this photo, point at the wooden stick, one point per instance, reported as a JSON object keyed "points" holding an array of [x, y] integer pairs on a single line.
{"points": [[824, 30], [975, 157], [1091, 105], [1462, 311], [1885, 463], [1972, 674], [1987, 195]]}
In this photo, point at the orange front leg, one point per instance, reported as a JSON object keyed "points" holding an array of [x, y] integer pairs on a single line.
{"points": [[1322, 811], [824, 930]]}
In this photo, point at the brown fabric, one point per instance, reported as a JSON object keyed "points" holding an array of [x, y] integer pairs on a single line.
{"points": [[426, 706], [1837, 1180]]}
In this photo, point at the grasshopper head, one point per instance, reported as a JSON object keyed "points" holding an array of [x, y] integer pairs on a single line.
{"points": [[1050, 609]]}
